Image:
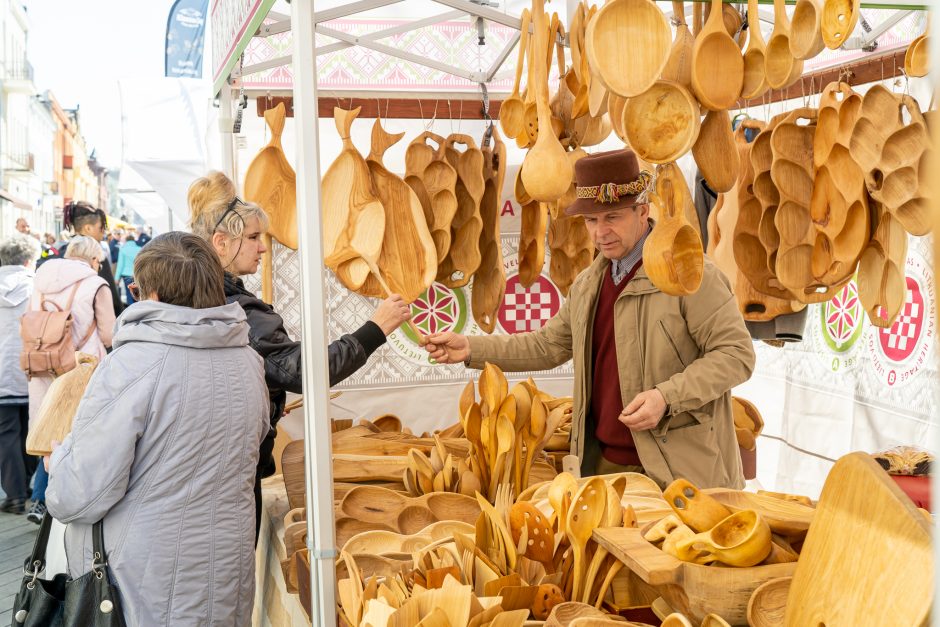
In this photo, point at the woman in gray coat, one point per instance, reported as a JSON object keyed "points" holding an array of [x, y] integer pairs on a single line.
{"points": [[164, 448]]}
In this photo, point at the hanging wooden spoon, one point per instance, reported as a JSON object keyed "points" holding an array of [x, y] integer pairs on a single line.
{"points": [[717, 64], [546, 171], [781, 67], [755, 76], [716, 152], [512, 110], [679, 66]]}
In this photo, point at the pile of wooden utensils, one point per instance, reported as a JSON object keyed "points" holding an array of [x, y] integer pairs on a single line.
{"points": [[822, 193], [507, 430]]}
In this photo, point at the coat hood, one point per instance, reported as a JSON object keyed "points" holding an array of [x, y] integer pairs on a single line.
{"points": [[162, 323], [15, 285], [56, 275]]}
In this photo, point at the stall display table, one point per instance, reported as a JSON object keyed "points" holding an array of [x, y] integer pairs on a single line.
{"points": [[274, 605]]}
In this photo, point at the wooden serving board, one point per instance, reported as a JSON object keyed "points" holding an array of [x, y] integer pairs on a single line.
{"points": [[489, 282], [59, 406], [787, 518], [867, 559]]}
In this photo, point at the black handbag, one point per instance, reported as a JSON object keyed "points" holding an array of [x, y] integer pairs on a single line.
{"points": [[87, 601]]}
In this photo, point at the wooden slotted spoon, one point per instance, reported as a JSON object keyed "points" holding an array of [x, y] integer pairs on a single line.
{"points": [[588, 508]]}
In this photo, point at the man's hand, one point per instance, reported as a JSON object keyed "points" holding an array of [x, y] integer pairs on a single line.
{"points": [[448, 347], [391, 313], [644, 411]]}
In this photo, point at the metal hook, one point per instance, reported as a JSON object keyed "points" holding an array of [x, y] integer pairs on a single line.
{"points": [[450, 113]]}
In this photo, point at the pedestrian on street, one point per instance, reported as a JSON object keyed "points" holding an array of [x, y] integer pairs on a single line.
{"points": [[164, 448], [18, 256], [234, 228], [57, 282], [125, 265]]}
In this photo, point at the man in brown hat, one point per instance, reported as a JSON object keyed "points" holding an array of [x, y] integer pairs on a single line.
{"points": [[653, 372]]}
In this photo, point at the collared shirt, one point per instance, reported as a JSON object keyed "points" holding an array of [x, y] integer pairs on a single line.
{"points": [[620, 267]]}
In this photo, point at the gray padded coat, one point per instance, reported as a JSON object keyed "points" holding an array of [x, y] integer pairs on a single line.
{"points": [[164, 448]]}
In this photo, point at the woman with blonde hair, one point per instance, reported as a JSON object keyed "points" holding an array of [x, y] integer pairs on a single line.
{"points": [[234, 228], [70, 284]]}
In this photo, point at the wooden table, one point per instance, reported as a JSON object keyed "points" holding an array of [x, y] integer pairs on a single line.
{"points": [[274, 606]]}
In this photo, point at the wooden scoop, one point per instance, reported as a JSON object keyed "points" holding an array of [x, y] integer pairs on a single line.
{"points": [[717, 64], [806, 37], [673, 255], [754, 82], [742, 539], [540, 539], [782, 68], [512, 110], [627, 44], [546, 171]]}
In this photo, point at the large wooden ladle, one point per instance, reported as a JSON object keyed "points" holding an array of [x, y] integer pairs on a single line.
{"points": [[512, 110], [546, 171], [755, 76], [717, 64]]}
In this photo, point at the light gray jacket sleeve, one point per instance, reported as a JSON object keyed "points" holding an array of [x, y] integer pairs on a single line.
{"points": [[89, 472]]}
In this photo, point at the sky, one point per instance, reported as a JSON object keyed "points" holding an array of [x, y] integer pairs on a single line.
{"points": [[81, 48]]}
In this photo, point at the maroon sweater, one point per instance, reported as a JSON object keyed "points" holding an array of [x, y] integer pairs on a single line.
{"points": [[606, 403]]}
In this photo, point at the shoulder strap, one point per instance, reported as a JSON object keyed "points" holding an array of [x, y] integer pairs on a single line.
{"points": [[68, 305], [36, 561], [97, 539]]}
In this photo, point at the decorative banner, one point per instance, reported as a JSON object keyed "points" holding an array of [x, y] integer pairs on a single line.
{"points": [[234, 23], [185, 36]]}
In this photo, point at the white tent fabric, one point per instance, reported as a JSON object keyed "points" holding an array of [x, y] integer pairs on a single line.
{"points": [[167, 143]]}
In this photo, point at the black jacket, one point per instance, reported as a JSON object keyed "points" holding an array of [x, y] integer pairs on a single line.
{"points": [[282, 363], [104, 271]]}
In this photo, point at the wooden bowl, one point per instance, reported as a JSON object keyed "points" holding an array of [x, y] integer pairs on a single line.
{"points": [[742, 539], [627, 45], [662, 123], [452, 506], [692, 589], [373, 504], [768, 603], [414, 518]]}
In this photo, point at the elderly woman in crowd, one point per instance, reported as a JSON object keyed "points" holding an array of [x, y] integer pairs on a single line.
{"points": [[58, 283], [164, 447], [18, 258]]}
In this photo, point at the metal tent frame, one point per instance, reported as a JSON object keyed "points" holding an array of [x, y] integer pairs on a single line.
{"points": [[305, 24]]}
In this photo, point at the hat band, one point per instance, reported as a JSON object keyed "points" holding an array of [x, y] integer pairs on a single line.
{"points": [[611, 192]]}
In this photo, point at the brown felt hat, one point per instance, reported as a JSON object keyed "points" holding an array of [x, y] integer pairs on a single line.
{"points": [[608, 180]]}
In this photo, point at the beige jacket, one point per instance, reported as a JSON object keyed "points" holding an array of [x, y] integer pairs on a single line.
{"points": [[693, 349]]}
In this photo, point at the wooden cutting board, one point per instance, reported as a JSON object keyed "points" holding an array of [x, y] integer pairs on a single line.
{"points": [[489, 282], [532, 242], [463, 259], [408, 260], [270, 182], [59, 406], [867, 559], [353, 216]]}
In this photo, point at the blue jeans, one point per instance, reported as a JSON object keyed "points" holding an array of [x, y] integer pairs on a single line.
{"points": [[127, 291], [40, 481]]}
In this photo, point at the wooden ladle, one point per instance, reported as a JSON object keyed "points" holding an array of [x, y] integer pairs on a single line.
{"points": [[755, 76], [782, 68], [717, 64], [806, 37], [512, 110], [673, 253], [742, 539], [546, 171]]}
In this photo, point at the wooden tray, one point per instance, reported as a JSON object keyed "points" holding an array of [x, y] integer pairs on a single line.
{"points": [[690, 588]]}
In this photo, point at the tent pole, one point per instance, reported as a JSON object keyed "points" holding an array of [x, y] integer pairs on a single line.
{"points": [[225, 130], [318, 466]]}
